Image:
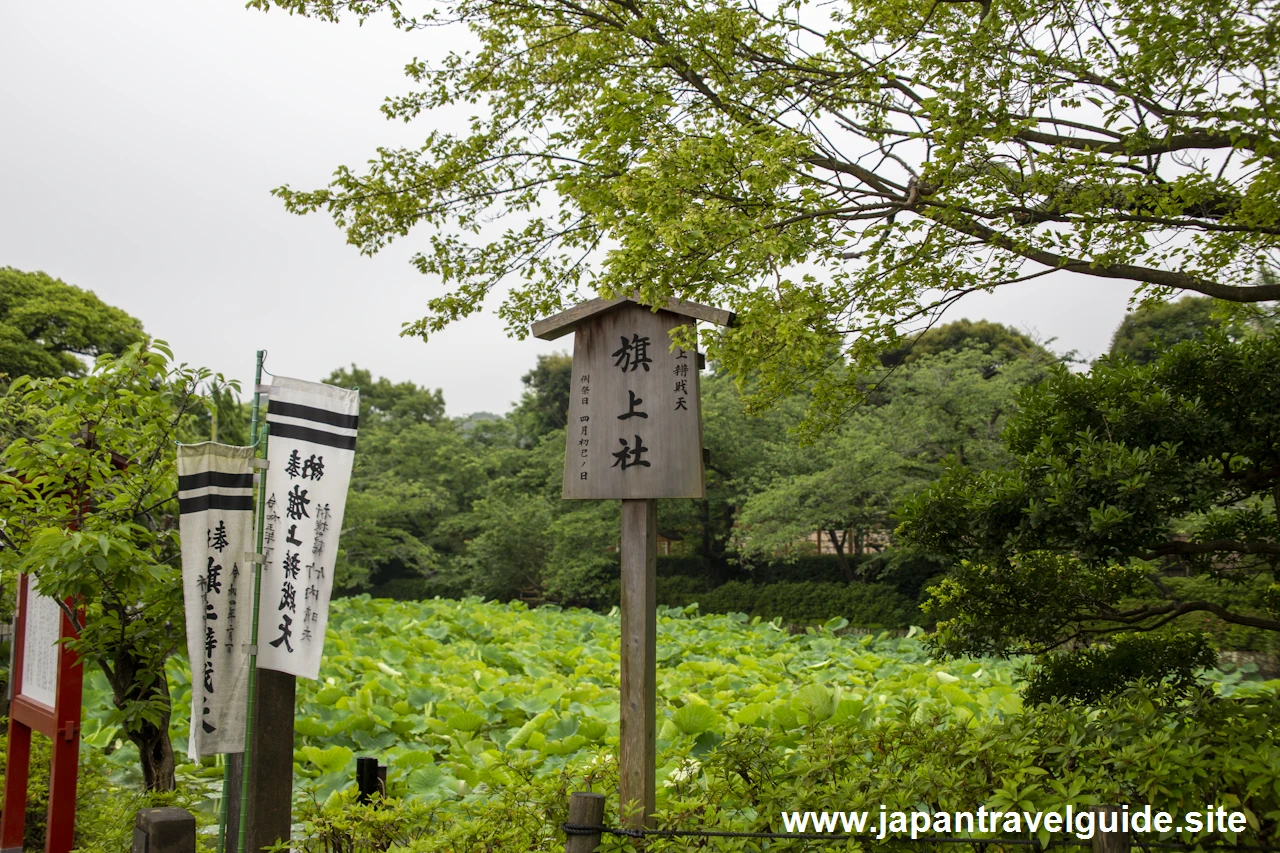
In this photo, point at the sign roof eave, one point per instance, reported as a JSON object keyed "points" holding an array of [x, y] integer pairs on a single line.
{"points": [[559, 325]]}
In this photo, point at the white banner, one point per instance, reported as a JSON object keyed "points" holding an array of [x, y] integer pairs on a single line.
{"points": [[312, 447], [215, 499]]}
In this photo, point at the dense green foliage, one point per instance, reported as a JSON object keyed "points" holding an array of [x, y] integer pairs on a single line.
{"points": [[1153, 327], [545, 403], [88, 508], [46, 323], [105, 807], [865, 605], [909, 152], [400, 486], [1003, 344], [1121, 478], [1099, 672], [419, 681], [470, 505], [806, 590], [489, 714], [950, 403], [1249, 597], [911, 755]]}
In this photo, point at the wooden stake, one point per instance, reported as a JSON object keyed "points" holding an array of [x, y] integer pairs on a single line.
{"points": [[1109, 842], [639, 659], [584, 810]]}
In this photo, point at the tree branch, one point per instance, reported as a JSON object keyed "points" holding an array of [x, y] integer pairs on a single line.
{"points": [[1161, 278], [1213, 546]]}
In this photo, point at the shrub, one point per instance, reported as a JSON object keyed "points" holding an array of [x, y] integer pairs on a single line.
{"points": [[864, 605], [1246, 598], [403, 589], [104, 809], [814, 568], [676, 565], [842, 755], [1090, 675]]}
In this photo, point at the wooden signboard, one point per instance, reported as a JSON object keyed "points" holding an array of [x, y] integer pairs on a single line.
{"points": [[635, 435], [635, 428], [47, 684]]}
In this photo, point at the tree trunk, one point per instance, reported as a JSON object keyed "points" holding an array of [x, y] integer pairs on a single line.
{"points": [[156, 754], [841, 560], [131, 680]]}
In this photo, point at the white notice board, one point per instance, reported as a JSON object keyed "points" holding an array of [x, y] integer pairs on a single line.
{"points": [[40, 647]]}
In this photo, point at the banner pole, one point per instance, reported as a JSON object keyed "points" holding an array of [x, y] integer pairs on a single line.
{"points": [[226, 765], [260, 437], [222, 806]]}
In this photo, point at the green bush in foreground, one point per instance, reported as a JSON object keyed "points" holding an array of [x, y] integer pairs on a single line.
{"points": [[105, 809], [918, 755], [489, 714], [1092, 674]]}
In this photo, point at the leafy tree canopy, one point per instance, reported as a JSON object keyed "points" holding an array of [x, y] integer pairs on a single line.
{"points": [[545, 403], [88, 488], [1121, 477], [1162, 325], [387, 402], [834, 174], [411, 463], [999, 341], [949, 405], [45, 323]]}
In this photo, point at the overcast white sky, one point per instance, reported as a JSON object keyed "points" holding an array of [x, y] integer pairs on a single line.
{"points": [[139, 140]]}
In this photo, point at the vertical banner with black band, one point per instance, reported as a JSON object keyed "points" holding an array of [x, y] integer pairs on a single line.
{"points": [[215, 501], [312, 444]]}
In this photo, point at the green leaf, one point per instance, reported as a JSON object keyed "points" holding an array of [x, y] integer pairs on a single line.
{"points": [[695, 718], [425, 781], [331, 760], [817, 701], [465, 722]]}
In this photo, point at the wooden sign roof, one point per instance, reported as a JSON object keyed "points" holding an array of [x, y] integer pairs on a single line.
{"points": [[559, 325]]}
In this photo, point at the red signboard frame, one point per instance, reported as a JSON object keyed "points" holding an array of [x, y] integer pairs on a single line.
{"points": [[61, 723]]}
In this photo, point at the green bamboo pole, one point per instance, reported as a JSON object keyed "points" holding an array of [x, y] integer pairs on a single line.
{"points": [[260, 436], [226, 769], [222, 808]]}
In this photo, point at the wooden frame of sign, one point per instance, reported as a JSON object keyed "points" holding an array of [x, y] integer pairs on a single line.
{"points": [[46, 688], [635, 435]]}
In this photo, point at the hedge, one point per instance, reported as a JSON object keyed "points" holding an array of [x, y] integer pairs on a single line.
{"points": [[865, 605]]}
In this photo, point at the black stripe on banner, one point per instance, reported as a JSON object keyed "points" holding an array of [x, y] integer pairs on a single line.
{"points": [[221, 479], [315, 436], [311, 413], [200, 503]]}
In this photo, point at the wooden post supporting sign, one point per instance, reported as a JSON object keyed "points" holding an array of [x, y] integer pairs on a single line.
{"points": [[639, 657], [635, 435], [47, 681]]}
